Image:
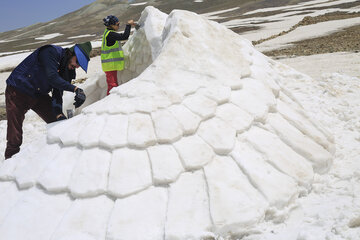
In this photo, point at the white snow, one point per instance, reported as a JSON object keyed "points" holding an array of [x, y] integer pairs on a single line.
{"points": [[114, 134], [86, 219], [167, 128], [141, 131], [49, 36], [221, 138], [194, 152], [82, 36], [188, 208], [201, 105], [165, 163], [331, 210], [12, 53], [27, 173], [342, 64], [288, 17], [6, 40], [64, 44], [234, 117], [139, 217], [40, 215], [90, 173], [56, 176], [138, 4], [130, 172], [234, 202], [12, 60], [188, 120], [302, 6], [263, 176], [96, 44], [193, 149], [212, 15], [308, 32]]}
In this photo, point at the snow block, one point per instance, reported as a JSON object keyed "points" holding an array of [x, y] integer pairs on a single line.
{"points": [[219, 94], [27, 174], [35, 216], [57, 175], [90, 175], [202, 106], [194, 152], [234, 203], [166, 164], [264, 176], [321, 159], [86, 219], [303, 124], [130, 172], [188, 215], [114, 134], [235, 117], [167, 128], [281, 156], [19, 160], [9, 195], [218, 135], [141, 132], [187, 119], [140, 216], [90, 133]]}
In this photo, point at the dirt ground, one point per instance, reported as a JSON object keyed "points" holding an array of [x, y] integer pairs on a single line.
{"points": [[2, 113]]}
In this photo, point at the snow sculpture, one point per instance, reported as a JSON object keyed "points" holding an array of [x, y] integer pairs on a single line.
{"points": [[202, 142]]}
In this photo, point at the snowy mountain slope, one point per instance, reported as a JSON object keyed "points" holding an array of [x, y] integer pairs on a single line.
{"points": [[194, 144], [88, 20]]}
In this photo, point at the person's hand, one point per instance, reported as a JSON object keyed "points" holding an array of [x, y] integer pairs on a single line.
{"points": [[131, 22], [79, 97], [60, 117]]}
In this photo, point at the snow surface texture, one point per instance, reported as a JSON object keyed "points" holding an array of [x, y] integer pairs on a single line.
{"points": [[202, 142]]}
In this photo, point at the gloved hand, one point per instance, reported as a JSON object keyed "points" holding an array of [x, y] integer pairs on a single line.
{"points": [[79, 97], [60, 117]]}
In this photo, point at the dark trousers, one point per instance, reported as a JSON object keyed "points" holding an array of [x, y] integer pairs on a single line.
{"points": [[17, 104]]}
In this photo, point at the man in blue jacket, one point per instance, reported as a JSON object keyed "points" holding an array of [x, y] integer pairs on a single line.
{"points": [[49, 69]]}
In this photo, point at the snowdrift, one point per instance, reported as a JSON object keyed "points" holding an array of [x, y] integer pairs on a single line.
{"points": [[199, 141]]}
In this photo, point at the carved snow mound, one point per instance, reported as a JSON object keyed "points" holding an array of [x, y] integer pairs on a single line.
{"points": [[200, 140]]}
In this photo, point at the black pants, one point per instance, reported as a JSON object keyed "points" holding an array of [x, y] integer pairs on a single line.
{"points": [[17, 104]]}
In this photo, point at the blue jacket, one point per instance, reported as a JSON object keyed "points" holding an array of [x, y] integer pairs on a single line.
{"points": [[43, 71]]}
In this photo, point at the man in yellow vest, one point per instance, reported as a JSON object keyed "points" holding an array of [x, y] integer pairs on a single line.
{"points": [[112, 55]]}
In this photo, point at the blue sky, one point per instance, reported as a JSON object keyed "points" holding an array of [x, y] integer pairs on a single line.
{"points": [[20, 13]]}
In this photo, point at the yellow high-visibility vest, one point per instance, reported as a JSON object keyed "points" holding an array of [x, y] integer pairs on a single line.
{"points": [[112, 58]]}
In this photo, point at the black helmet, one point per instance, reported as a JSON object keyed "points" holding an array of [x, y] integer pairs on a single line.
{"points": [[110, 20]]}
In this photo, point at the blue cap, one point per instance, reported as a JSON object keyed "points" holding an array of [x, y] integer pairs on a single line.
{"points": [[81, 58]]}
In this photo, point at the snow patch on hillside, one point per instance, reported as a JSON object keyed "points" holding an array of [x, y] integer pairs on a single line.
{"points": [[49, 36]]}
